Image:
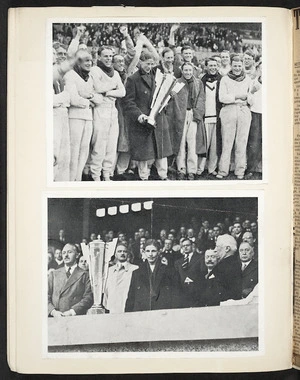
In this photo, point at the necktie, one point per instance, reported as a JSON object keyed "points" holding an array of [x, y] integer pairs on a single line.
{"points": [[185, 263], [244, 266], [69, 272]]}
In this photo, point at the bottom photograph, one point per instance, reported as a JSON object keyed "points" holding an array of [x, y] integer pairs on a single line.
{"points": [[152, 275]]}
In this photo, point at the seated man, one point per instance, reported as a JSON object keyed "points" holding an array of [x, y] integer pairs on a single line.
{"points": [[118, 281], [249, 268], [69, 288]]}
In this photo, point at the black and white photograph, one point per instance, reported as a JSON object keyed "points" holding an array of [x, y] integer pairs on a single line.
{"points": [[166, 100], [153, 275]]}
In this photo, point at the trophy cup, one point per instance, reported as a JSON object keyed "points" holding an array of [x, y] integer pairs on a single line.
{"points": [[165, 84], [99, 254]]}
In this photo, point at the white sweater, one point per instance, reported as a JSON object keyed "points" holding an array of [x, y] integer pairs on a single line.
{"points": [[103, 83], [80, 107], [229, 88]]}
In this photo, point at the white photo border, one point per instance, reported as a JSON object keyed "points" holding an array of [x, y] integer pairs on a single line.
{"points": [[144, 184], [258, 194]]}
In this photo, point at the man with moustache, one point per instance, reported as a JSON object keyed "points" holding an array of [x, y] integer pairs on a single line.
{"points": [[69, 288], [209, 292], [108, 84], [118, 281]]}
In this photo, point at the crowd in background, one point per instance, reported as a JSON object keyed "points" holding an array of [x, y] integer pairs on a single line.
{"points": [[196, 264], [203, 37], [103, 84]]}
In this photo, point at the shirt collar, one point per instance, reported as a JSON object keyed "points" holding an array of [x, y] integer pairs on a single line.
{"points": [[119, 264], [72, 268]]}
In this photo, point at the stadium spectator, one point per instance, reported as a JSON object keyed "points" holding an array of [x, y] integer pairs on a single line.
{"points": [[118, 281], [249, 268]]}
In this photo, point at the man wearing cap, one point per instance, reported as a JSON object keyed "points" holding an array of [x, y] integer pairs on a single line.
{"points": [[69, 287], [118, 281]]}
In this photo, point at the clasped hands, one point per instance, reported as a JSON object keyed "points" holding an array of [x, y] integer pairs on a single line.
{"points": [[68, 313]]}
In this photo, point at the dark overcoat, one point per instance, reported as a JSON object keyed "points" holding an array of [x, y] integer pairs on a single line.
{"points": [[146, 142], [72, 293], [176, 112], [228, 276], [249, 277], [163, 294]]}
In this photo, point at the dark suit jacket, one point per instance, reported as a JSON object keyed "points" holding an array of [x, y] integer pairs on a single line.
{"points": [[146, 142], [249, 277], [193, 272], [72, 293], [165, 288], [209, 290], [228, 274], [171, 256]]}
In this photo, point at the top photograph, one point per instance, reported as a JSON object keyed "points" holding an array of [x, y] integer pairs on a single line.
{"points": [[166, 101]]}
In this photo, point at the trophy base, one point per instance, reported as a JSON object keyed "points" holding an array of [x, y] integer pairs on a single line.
{"points": [[151, 121], [96, 309]]}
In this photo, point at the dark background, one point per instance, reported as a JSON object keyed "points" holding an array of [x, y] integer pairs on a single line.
{"points": [[68, 214], [5, 373]]}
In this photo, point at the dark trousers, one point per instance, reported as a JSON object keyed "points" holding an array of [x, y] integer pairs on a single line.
{"points": [[254, 147]]}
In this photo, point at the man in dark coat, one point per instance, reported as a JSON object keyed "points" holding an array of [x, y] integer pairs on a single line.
{"points": [[208, 286], [69, 287], [154, 285], [228, 272], [189, 268], [148, 144], [249, 268], [169, 254]]}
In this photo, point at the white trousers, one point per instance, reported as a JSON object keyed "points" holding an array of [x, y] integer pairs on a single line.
{"points": [[123, 162], [212, 158], [235, 126], [145, 166], [187, 163], [61, 144], [80, 137], [104, 141]]}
